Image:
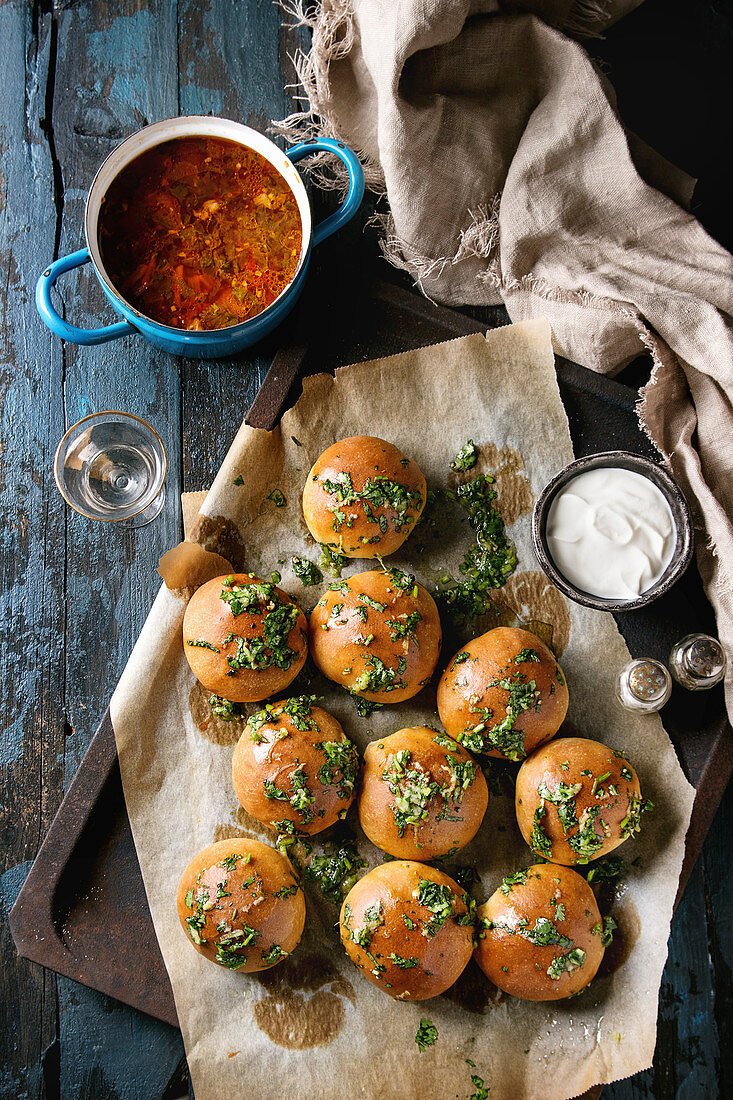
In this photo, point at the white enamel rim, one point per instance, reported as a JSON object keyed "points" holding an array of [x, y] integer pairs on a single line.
{"points": [[190, 126]]}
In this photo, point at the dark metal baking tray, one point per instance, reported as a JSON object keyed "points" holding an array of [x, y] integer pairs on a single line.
{"points": [[82, 910]]}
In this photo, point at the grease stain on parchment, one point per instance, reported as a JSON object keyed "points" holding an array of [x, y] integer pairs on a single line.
{"points": [[474, 992], [625, 935], [514, 497], [221, 536], [533, 598], [218, 730], [304, 1006]]}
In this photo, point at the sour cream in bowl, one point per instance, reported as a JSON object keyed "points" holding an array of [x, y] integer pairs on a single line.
{"points": [[612, 531]]}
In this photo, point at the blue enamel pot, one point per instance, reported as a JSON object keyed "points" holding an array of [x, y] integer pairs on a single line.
{"points": [[211, 343]]}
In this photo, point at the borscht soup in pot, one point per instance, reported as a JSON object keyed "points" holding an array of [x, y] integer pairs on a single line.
{"points": [[200, 233]]}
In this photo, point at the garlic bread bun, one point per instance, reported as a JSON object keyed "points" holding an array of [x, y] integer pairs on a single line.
{"points": [[407, 927], [577, 800], [421, 794], [377, 634], [540, 935], [240, 905], [294, 763], [503, 694], [244, 638], [363, 497]]}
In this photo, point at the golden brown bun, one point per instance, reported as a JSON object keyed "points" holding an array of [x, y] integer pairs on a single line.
{"points": [[606, 800], [442, 792], [350, 638], [354, 527], [471, 702], [374, 922], [506, 952], [274, 754], [209, 619], [259, 895]]}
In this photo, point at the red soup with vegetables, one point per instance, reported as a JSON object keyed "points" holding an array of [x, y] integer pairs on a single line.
{"points": [[200, 233]]}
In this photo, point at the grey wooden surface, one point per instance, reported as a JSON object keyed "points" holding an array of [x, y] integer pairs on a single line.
{"points": [[77, 76]]}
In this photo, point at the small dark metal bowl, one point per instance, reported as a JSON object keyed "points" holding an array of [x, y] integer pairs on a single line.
{"points": [[672, 494]]}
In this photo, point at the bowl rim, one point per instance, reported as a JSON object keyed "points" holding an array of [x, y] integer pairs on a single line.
{"points": [[169, 129], [672, 493]]}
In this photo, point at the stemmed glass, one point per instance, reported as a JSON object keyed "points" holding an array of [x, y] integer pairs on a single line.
{"points": [[111, 466]]}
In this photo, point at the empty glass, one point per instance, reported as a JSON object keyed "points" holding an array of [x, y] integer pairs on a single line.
{"points": [[111, 466]]}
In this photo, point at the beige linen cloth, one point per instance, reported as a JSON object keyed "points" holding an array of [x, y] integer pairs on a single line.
{"points": [[508, 177]]}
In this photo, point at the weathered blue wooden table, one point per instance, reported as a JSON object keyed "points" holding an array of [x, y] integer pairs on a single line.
{"points": [[78, 75]]}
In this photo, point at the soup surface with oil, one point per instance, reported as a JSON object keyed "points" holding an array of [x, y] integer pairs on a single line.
{"points": [[200, 233]]}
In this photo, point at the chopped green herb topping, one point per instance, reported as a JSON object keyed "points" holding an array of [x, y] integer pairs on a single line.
{"points": [[298, 709], [503, 736], [336, 873], [277, 498], [378, 492], [229, 863], [239, 480], [481, 1092], [545, 934], [488, 564], [586, 841], [565, 964], [373, 916], [562, 798], [286, 891], [405, 582], [632, 822], [341, 766], [306, 572], [366, 707], [412, 788], [517, 879], [300, 797], [608, 869], [403, 964], [405, 626], [380, 677], [439, 899], [538, 839], [526, 655], [372, 603], [426, 1035], [273, 955], [200, 643]]}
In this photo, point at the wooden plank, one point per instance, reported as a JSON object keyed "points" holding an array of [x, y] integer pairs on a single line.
{"points": [[31, 533], [116, 70], [238, 74]]}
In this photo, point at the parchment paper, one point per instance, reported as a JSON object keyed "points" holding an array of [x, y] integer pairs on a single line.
{"points": [[313, 1027]]}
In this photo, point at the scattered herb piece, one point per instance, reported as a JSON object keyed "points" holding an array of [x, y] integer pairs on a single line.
{"points": [[466, 458], [277, 498], [426, 1035], [224, 708], [202, 644], [331, 561], [306, 572]]}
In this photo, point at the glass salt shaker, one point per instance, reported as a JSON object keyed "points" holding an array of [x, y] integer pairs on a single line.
{"points": [[697, 662], [644, 685]]}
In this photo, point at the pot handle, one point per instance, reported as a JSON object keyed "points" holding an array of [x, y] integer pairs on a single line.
{"points": [[356, 182], [56, 323]]}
